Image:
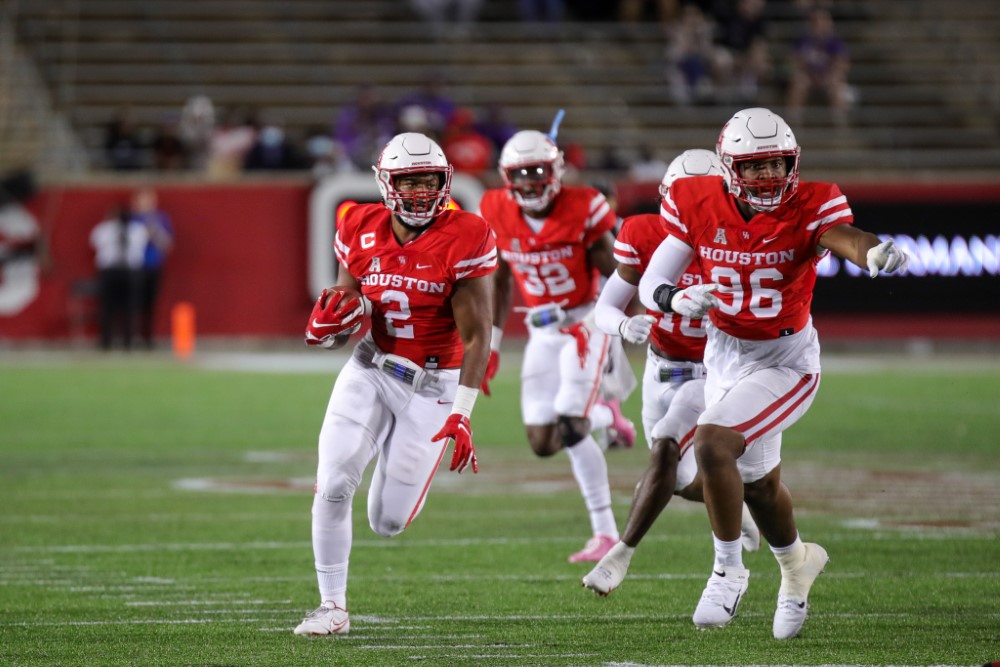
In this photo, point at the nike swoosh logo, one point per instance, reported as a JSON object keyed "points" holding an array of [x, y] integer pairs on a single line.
{"points": [[424, 266], [718, 574], [440, 402], [732, 612], [317, 325], [770, 239]]}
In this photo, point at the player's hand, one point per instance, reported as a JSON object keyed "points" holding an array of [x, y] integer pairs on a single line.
{"points": [[886, 257], [695, 301], [337, 314], [460, 431], [492, 366], [636, 329], [581, 334]]}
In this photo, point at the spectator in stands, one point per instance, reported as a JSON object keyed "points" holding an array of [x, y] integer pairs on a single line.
{"points": [[649, 168], [196, 127], [434, 100], [160, 241], [326, 155], [495, 126], [120, 246], [124, 149], [169, 153], [820, 61], [230, 143], [364, 126], [466, 148], [272, 150], [743, 53], [691, 58]]}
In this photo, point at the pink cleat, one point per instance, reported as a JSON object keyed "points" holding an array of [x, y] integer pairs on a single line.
{"points": [[622, 430], [594, 550]]}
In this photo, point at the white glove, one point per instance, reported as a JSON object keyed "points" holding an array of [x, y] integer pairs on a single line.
{"points": [[636, 329], [695, 301], [886, 257]]}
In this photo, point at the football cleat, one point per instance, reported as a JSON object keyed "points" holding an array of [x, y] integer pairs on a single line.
{"points": [[721, 597], [610, 571], [622, 430], [325, 621], [749, 532], [793, 595], [594, 550]]}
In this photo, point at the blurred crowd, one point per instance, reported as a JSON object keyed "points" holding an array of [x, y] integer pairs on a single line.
{"points": [[716, 52]]}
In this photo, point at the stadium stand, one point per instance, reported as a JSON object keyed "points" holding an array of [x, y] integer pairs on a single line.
{"points": [[927, 81]]}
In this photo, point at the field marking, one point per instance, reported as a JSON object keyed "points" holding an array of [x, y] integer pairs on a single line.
{"points": [[281, 615]]}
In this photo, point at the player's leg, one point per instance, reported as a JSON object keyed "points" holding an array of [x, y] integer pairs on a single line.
{"points": [[539, 386], [355, 419], [734, 445], [578, 390], [409, 459], [660, 480]]}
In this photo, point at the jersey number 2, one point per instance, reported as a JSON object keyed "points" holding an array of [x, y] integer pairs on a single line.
{"points": [[394, 317]]}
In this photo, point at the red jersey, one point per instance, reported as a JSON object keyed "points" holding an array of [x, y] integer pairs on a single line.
{"points": [[551, 266], [410, 285], [678, 337], [767, 265]]}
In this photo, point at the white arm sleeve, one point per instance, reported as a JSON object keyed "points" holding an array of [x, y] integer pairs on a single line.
{"points": [[609, 312], [665, 267]]}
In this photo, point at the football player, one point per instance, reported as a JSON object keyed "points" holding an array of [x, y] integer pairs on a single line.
{"points": [[421, 272], [551, 237], [757, 247], [673, 384]]}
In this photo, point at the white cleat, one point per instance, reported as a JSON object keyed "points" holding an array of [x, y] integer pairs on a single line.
{"points": [[325, 621], [610, 571], [721, 597], [793, 595], [749, 532]]}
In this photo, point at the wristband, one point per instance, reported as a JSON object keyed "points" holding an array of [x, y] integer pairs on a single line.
{"points": [[664, 295], [621, 324], [465, 399], [496, 338]]}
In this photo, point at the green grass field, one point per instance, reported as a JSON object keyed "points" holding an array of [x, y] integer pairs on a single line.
{"points": [[156, 513]]}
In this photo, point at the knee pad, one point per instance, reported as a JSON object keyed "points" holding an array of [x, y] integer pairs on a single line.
{"points": [[335, 487], [387, 527], [572, 430]]}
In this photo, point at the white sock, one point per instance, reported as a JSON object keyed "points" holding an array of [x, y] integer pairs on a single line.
{"points": [[591, 473], [600, 417], [332, 584], [790, 557], [728, 554], [332, 536]]}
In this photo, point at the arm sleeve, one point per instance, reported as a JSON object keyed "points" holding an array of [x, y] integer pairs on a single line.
{"points": [[609, 313], [665, 267]]}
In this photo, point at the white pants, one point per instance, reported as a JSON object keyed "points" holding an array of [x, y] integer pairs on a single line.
{"points": [[373, 415], [760, 388], [552, 382], [671, 410]]}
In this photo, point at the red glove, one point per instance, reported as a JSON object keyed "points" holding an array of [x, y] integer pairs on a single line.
{"points": [[582, 335], [460, 431], [342, 315], [492, 366]]}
